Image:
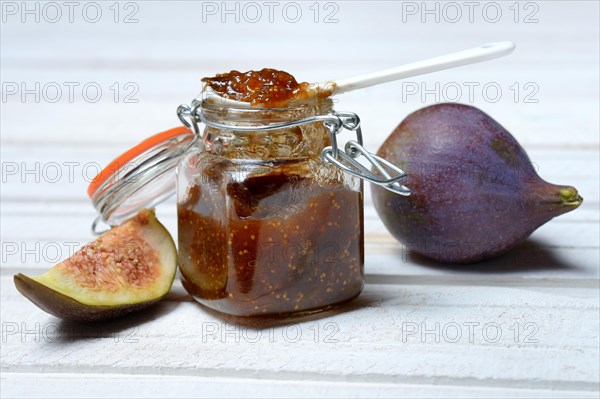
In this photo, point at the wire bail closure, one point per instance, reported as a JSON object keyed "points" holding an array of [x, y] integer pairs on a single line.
{"points": [[346, 160], [185, 112], [335, 122]]}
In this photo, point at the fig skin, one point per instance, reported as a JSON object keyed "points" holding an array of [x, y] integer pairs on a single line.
{"points": [[66, 308], [475, 193], [60, 293]]}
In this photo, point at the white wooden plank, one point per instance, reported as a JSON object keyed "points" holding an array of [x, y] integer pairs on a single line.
{"points": [[47, 207], [43, 207], [52, 171], [556, 122], [71, 385], [534, 268], [67, 41], [18, 229], [368, 334], [564, 114], [532, 259], [563, 251], [563, 231]]}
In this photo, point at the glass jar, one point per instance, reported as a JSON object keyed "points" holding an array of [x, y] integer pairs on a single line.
{"points": [[265, 226], [270, 206]]}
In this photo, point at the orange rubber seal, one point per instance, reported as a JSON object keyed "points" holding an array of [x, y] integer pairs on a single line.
{"points": [[130, 154]]}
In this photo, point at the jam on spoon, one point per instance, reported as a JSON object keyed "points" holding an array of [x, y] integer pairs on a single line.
{"points": [[269, 88]]}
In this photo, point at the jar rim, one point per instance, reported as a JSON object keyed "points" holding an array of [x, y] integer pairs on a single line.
{"points": [[212, 105], [261, 115]]}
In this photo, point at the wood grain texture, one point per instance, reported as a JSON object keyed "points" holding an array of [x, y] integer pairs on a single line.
{"points": [[68, 385], [358, 343], [399, 338]]}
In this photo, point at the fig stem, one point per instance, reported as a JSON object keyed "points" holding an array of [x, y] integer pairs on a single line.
{"points": [[570, 197]]}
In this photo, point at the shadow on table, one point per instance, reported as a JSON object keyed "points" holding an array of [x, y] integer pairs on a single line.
{"points": [[122, 329], [530, 255], [266, 322], [125, 329]]}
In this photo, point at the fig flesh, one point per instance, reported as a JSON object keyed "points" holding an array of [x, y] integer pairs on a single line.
{"points": [[127, 268], [475, 193]]}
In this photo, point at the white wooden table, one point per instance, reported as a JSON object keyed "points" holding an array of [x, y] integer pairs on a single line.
{"points": [[524, 325]]}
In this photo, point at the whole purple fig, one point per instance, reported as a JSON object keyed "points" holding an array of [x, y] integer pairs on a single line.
{"points": [[475, 193]]}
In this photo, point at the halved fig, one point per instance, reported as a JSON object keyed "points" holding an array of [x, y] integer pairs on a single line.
{"points": [[128, 268]]}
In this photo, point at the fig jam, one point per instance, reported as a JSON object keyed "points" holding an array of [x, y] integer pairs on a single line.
{"points": [[265, 226], [267, 88], [257, 258]]}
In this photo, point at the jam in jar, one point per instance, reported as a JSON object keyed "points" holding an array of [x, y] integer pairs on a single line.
{"points": [[266, 226]]}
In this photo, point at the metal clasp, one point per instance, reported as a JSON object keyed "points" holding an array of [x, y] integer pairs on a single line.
{"points": [[335, 122], [347, 160], [185, 111]]}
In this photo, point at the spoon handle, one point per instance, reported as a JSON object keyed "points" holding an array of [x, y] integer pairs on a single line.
{"points": [[482, 53]]}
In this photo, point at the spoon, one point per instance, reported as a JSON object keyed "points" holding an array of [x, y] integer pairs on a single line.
{"points": [[477, 54]]}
